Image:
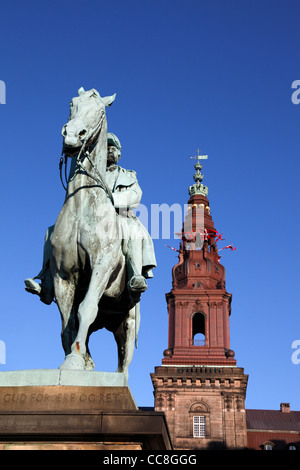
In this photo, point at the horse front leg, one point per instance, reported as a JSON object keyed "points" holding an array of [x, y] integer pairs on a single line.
{"points": [[87, 313]]}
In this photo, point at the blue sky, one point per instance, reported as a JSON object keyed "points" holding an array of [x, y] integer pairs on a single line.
{"points": [[210, 75]]}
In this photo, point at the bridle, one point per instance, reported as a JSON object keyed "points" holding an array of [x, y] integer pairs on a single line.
{"points": [[92, 136]]}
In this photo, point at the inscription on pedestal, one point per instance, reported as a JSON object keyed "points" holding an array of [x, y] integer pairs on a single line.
{"points": [[65, 398]]}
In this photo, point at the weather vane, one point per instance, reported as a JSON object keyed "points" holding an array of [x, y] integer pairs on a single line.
{"points": [[199, 157], [198, 188]]}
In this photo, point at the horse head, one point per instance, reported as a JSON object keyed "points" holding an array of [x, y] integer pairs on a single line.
{"points": [[87, 112]]}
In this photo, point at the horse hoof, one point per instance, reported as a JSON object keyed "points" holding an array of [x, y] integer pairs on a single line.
{"points": [[74, 362]]}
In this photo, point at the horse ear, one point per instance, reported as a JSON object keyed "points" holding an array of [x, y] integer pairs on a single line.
{"points": [[108, 100]]}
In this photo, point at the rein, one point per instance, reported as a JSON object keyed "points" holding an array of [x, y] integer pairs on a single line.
{"points": [[79, 161], [61, 162]]}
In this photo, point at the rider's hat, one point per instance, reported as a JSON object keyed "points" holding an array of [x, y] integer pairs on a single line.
{"points": [[112, 139]]}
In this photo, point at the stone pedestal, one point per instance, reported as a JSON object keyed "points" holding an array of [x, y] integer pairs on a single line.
{"points": [[54, 409]]}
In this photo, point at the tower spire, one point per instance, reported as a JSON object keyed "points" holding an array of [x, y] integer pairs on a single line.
{"points": [[198, 228], [199, 283], [198, 187]]}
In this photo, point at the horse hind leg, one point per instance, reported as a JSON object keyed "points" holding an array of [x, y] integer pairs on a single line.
{"points": [[126, 337], [89, 363]]}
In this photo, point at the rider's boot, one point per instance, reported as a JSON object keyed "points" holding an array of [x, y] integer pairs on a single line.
{"points": [[137, 284], [45, 290], [32, 286]]}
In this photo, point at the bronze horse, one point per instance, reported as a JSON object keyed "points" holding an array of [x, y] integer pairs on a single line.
{"points": [[87, 262]]}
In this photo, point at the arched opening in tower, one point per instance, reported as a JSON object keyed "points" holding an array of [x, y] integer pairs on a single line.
{"points": [[198, 332]]}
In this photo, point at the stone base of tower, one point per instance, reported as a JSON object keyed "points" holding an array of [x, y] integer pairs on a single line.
{"points": [[204, 406]]}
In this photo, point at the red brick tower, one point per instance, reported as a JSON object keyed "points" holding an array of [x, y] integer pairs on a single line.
{"points": [[199, 386]]}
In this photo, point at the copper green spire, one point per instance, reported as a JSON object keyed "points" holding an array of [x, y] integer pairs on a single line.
{"points": [[198, 187]]}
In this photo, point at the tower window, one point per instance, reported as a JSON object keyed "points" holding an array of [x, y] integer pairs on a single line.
{"points": [[198, 333], [199, 420], [199, 426]]}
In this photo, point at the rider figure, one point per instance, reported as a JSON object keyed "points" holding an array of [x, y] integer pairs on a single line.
{"points": [[140, 256]]}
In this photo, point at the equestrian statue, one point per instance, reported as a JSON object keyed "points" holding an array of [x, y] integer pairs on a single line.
{"points": [[98, 255]]}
